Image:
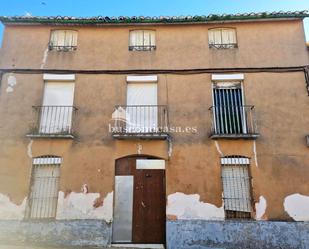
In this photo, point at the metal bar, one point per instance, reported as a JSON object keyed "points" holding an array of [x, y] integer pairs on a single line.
{"points": [[44, 188], [54, 120], [143, 119], [226, 131]]}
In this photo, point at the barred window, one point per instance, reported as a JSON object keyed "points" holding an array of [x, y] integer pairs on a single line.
{"points": [[142, 40], [236, 183], [63, 40], [222, 38], [43, 196], [229, 110]]}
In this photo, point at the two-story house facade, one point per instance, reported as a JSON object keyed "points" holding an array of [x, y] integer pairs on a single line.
{"points": [[180, 131]]}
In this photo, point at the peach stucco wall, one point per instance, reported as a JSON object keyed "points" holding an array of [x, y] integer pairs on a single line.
{"points": [[279, 158]]}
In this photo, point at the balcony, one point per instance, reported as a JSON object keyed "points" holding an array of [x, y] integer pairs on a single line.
{"points": [[142, 48], [223, 45], [140, 121], [233, 122], [58, 48], [53, 122]]}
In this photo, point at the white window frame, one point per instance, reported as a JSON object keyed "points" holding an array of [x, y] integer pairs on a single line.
{"points": [[143, 44], [44, 207], [57, 119], [239, 162], [66, 43], [229, 81], [229, 44]]}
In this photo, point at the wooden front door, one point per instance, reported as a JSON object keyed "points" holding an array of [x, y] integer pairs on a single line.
{"points": [[147, 224], [149, 206]]}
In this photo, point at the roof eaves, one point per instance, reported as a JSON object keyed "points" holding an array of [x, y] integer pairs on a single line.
{"points": [[100, 20]]}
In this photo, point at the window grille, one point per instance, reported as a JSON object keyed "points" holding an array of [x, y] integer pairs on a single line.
{"points": [[63, 40], [142, 40], [222, 38], [236, 183], [229, 110], [43, 196]]}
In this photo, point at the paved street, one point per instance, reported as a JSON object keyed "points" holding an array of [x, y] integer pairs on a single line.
{"points": [[48, 247], [45, 247]]}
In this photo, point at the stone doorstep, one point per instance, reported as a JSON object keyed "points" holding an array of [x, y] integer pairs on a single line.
{"points": [[142, 246]]}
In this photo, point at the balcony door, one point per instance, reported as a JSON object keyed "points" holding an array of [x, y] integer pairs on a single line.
{"points": [[229, 110], [142, 109], [56, 111]]}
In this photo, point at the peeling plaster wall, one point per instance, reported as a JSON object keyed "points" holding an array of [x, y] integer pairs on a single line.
{"points": [[194, 166], [11, 82], [297, 206], [29, 149], [45, 55], [81, 206], [11, 211], [185, 206], [260, 209]]}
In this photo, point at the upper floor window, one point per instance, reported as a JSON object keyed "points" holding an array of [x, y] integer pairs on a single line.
{"points": [[63, 40], [142, 40], [222, 38]]}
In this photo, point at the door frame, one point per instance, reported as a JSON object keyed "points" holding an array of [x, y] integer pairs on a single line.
{"points": [[136, 157]]}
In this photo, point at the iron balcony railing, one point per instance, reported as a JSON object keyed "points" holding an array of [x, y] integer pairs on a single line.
{"points": [[61, 48], [53, 121], [138, 120], [230, 121], [223, 45], [142, 48]]}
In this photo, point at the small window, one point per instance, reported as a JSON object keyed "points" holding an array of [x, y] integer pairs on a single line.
{"points": [[43, 196], [142, 40], [236, 183], [222, 38], [63, 40]]}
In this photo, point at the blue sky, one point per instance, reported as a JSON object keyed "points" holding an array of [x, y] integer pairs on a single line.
{"points": [[149, 8]]}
